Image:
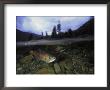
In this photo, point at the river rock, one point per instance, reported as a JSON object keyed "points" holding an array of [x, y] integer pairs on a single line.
{"points": [[57, 68]]}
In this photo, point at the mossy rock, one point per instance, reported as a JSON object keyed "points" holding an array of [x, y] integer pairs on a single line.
{"points": [[43, 71], [26, 59], [62, 64], [51, 70], [57, 68]]}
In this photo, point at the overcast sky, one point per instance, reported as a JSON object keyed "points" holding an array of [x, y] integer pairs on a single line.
{"points": [[37, 24]]}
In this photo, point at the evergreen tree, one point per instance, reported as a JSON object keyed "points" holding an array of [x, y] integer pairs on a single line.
{"points": [[69, 32], [59, 27], [54, 33], [42, 34], [46, 33]]}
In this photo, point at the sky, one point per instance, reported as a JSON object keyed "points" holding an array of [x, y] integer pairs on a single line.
{"points": [[39, 24]]}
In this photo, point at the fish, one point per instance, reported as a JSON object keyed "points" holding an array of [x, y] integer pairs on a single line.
{"points": [[43, 56]]}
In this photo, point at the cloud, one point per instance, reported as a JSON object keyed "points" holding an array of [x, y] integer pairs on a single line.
{"points": [[44, 24]]}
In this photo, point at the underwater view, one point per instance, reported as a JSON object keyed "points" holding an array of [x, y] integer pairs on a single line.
{"points": [[54, 45], [58, 59]]}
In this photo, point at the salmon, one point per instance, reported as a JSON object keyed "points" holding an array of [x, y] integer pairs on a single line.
{"points": [[42, 55]]}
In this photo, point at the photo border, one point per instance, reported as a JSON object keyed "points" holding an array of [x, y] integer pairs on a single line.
{"points": [[2, 49]]}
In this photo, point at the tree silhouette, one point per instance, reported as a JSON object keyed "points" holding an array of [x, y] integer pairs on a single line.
{"points": [[54, 34], [42, 35], [46, 33], [59, 27], [69, 32]]}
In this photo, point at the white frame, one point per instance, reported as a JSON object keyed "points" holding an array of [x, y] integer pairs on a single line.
{"points": [[99, 79]]}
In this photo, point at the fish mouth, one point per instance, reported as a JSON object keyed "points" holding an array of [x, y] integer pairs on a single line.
{"points": [[52, 59]]}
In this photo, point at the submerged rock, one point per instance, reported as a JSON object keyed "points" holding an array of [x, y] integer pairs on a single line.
{"points": [[57, 68], [26, 59], [43, 71]]}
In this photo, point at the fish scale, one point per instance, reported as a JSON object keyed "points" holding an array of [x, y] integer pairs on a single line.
{"points": [[43, 56]]}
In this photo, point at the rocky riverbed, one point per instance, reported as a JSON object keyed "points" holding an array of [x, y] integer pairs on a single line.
{"points": [[77, 58]]}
